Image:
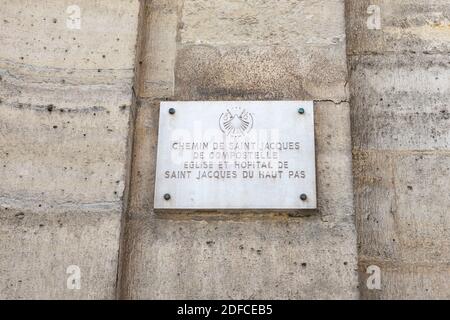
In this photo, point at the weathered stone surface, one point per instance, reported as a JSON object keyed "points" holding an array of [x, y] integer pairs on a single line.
{"points": [[36, 33], [65, 98], [423, 204], [315, 24], [240, 50], [160, 48], [401, 218], [409, 25], [258, 73], [375, 204], [333, 160], [402, 212], [143, 173], [255, 259], [409, 281], [37, 248], [400, 102], [400, 130], [402, 203], [332, 127], [63, 156]]}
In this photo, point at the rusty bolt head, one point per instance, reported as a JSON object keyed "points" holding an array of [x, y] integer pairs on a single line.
{"points": [[303, 197], [167, 196]]}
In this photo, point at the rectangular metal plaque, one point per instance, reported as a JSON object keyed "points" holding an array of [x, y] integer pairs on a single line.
{"points": [[236, 155]]}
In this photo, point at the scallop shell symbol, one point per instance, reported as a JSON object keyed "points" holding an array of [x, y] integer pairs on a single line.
{"points": [[236, 122]]}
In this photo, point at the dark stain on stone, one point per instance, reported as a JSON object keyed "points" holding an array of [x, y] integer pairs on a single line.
{"points": [[304, 264], [20, 215], [51, 107], [228, 92], [210, 243]]}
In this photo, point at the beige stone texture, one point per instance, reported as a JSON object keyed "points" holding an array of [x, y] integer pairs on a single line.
{"points": [[65, 99], [399, 86], [78, 138], [406, 26]]}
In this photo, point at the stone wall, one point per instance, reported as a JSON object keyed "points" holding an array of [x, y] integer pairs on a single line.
{"points": [[65, 98], [242, 50], [78, 137], [400, 92]]}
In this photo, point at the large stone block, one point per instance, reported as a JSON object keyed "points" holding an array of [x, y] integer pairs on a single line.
{"points": [[38, 248], [159, 48], [263, 23], [254, 259], [400, 102], [274, 73], [423, 204], [37, 33], [142, 184], [405, 26], [333, 160], [375, 204], [403, 202], [57, 157]]}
